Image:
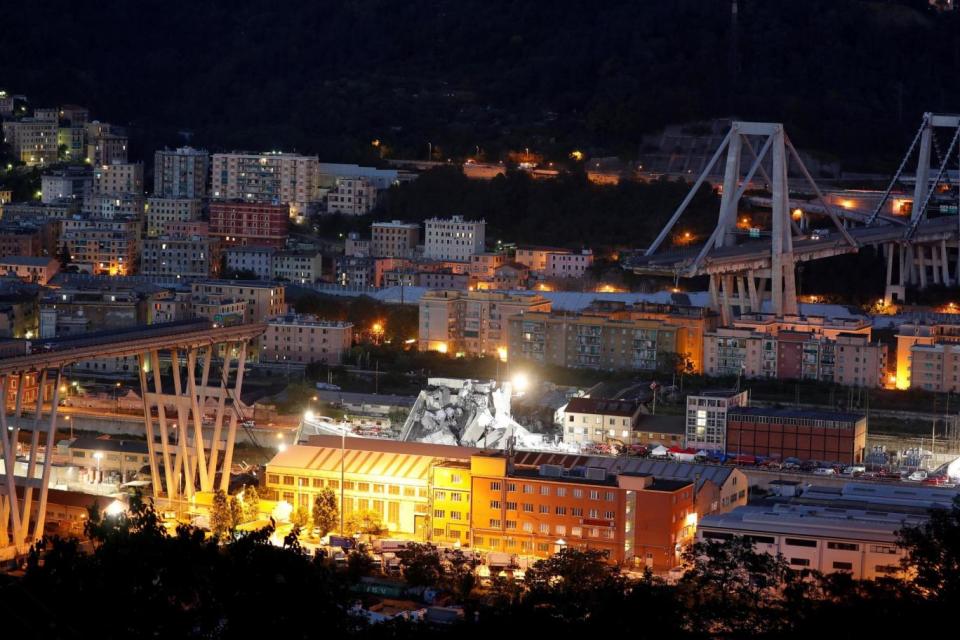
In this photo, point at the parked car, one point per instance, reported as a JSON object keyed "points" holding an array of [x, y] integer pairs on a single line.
{"points": [[824, 471]]}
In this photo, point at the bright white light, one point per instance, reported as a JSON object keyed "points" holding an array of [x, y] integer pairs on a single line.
{"points": [[282, 447], [115, 508], [308, 415], [520, 382]]}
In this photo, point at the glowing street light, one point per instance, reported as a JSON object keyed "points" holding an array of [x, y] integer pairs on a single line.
{"points": [[308, 416], [502, 353], [520, 381]]}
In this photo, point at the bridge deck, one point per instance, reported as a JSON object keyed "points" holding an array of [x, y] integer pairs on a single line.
{"points": [[64, 353], [758, 251]]}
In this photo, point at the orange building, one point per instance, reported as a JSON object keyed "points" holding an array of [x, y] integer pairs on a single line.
{"points": [[528, 505], [635, 519]]}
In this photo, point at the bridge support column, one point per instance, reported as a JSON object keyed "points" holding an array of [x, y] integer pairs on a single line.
{"points": [[190, 463], [921, 251], [15, 510], [934, 264], [945, 263]]}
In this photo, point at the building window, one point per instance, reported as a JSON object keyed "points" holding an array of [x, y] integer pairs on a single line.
{"points": [[844, 546], [800, 562], [800, 542], [843, 566], [494, 486]]}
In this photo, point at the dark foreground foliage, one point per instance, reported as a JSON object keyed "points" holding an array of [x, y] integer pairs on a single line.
{"points": [[139, 582]]}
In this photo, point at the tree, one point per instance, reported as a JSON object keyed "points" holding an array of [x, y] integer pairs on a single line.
{"points": [[461, 575], [326, 516], [421, 564], [224, 514], [300, 517], [933, 553], [251, 504], [365, 521], [575, 584], [731, 588]]}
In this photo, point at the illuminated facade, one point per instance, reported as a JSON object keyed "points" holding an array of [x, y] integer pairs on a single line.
{"points": [[277, 178], [239, 223], [927, 356], [302, 339], [162, 212], [529, 505], [594, 341], [473, 322], [453, 239], [102, 246], [32, 140]]}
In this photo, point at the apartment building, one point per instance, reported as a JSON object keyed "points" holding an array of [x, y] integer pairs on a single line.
{"points": [[849, 359], [102, 246], [115, 205], [302, 267], [706, 421], [160, 213], [272, 178], [72, 183], [32, 140], [17, 239], [252, 259], [820, 326], [264, 299], [696, 321], [221, 310], [180, 256], [355, 246], [454, 238], [484, 265], [594, 341], [394, 239], [118, 177], [249, 223], [596, 420], [352, 197], [29, 268], [351, 271], [72, 310], [302, 339], [570, 264], [830, 436], [473, 322], [171, 305], [105, 148], [180, 173]]}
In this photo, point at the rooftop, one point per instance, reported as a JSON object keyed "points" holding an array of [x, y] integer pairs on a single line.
{"points": [[803, 520], [603, 407], [27, 261], [306, 320], [807, 414]]}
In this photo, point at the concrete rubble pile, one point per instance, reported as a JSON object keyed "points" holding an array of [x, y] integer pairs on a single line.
{"points": [[468, 413]]}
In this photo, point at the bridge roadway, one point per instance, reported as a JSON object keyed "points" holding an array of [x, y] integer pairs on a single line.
{"points": [[159, 337], [756, 254]]}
